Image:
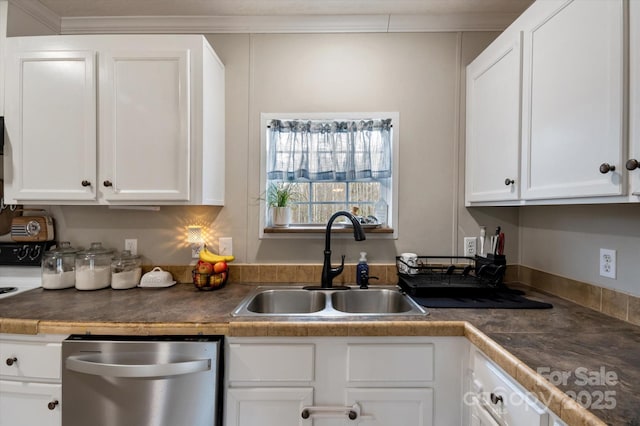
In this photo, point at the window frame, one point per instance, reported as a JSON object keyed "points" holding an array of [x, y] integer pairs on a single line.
{"points": [[392, 198]]}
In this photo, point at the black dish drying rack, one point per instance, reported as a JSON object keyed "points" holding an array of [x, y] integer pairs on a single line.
{"points": [[452, 275]]}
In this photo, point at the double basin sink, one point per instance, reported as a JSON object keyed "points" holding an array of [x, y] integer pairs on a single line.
{"points": [[297, 301]]}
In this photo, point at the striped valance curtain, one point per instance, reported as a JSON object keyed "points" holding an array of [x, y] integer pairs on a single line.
{"points": [[327, 150]]}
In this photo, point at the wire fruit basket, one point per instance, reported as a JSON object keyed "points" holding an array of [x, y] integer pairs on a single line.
{"points": [[211, 281]]}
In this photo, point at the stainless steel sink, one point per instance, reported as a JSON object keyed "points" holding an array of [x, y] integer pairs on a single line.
{"points": [[287, 301], [298, 302], [371, 301]]}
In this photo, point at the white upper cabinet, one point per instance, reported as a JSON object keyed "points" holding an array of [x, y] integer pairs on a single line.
{"points": [[145, 87], [493, 122], [573, 138], [114, 120], [51, 125], [565, 104], [634, 100]]}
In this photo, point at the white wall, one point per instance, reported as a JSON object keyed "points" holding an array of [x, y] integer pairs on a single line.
{"points": [[418, 75], [566, 240], [4, 6]]}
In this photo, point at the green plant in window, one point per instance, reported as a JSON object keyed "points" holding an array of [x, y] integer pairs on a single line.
{"points": [[282, 194]]}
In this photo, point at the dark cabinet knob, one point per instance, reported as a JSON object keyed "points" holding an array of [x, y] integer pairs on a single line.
{"points": [[107, 183], [508, 181], [496, 398], [606, 168], [11, 361], [52, 405], [305, 414], [632, 164], [86, 183], [352, 415]]}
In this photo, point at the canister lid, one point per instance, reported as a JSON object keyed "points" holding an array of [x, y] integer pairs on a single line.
{"points": [[96, 249], [125, 255], [62, 249]]}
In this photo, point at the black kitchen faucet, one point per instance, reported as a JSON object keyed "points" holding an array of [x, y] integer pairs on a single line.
{"points": [[329, 273]]}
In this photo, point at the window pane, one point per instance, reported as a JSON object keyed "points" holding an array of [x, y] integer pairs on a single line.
{"points": [[329, 191], [322, 212], [364, 191], [300, 213]]}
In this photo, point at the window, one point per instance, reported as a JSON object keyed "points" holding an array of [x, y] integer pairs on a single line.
{"points": [[331, 162]]}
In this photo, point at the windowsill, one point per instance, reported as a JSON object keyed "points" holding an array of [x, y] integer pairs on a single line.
{"points": [[321, 229]]}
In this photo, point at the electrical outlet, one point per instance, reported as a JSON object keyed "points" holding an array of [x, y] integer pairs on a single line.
{"points": [[195, 250], [470, 246], [225, 246], [608, 263], [131, 244]]}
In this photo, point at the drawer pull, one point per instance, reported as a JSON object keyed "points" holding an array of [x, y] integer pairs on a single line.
{"points": [[52, 405], [632, 164], [107, 183], [11, 361], [86, 183], [496, 398], [508, 181], [352, 412]]}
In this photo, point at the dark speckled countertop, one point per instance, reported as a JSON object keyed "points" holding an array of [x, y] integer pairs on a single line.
{"points": [[570, 340]]}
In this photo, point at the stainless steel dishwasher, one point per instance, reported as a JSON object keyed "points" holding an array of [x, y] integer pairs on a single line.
{"points": [[142, 381]]}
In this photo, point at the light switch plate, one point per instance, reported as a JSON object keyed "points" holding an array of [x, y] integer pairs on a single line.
{"points": [[225, 246]]}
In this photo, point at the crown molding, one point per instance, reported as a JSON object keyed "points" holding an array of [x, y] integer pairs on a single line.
{"points": [[451, 22], [40, 13], [285, 24]]}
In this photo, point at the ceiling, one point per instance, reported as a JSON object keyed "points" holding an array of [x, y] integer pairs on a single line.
{"points": [[268, 16], [84, 8]]}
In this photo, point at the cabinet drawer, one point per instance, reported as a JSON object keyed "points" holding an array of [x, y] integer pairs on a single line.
{"points": [[276, 363], [28, 403], [38, 360], [392, 362], [516, 406]]}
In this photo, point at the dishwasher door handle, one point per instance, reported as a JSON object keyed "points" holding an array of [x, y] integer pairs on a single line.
{"points": [[84, 365]]}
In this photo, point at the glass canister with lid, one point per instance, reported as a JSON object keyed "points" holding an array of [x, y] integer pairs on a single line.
{"points": [[126, 270], [58, 267], [93, 268]]}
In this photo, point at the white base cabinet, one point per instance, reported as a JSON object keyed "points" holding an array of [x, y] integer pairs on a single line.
{"points": [[30, 380], [30, 403], [497, 399], [136, 119], [342, 381]]}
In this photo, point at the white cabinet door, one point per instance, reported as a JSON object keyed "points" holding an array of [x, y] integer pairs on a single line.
{"points": [[634, 99], [392, 406], [29, 404], [51, 126], [573, 94], [144, 132], [268, 406], [493, 122]]}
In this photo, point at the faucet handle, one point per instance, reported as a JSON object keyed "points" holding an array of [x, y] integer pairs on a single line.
{"points": [[337, 271]]}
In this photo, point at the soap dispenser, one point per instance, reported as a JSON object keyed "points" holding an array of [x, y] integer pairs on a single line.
{"points": [[362, 271]]}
